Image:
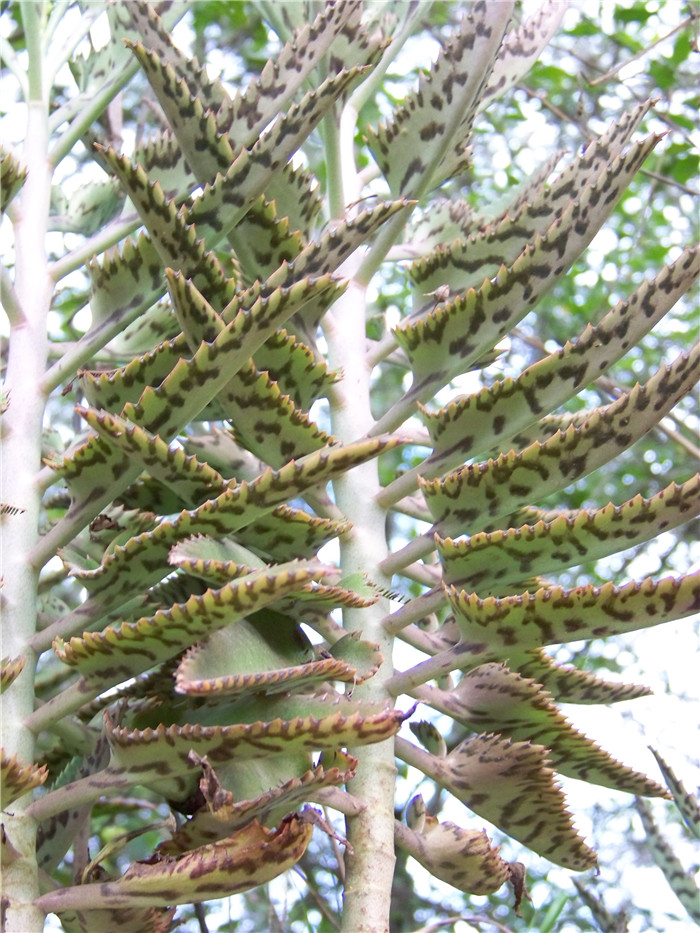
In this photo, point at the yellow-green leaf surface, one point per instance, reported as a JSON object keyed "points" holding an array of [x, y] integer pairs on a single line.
{"points": [[10, 669], [589, 178], [251, 856], [161, 157], [265, 653], [180, 243], [294, 368], [502, 781], [220, 814], [492, 698], [263, 726], [18, 778], [435, 118], [554, 615], [468, 498], [475, 423], [109, 657], [486, 561]]}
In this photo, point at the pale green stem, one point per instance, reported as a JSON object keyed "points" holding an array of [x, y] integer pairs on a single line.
{"points": [[10, 301], [416, 548], [83, 791], [331, 142], [61, 50], [65, 703], [370, 868], [21, 459], [89, 112], [461, 657], [417, 609], [9, 60], [94, 245]]}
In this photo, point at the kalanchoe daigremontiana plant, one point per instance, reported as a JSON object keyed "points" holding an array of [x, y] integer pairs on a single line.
{"points": [[229, 297]]}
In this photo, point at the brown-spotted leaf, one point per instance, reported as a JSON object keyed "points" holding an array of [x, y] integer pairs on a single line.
{"points": [[493, 698], [521, 48], [482, 492], [465, 263], [18, 778], [414, 149], [482, 562], [57, 834], [682, 882], [249, 857], [474, 424], [555, 615], [10, 669], [220, 814], [571, 684], [461, 857], [511, 785], [244, 117], [115, 654]]}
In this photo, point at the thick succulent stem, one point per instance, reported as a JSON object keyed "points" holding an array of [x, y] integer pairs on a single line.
{"points": [[21, 460], [371, 833]]}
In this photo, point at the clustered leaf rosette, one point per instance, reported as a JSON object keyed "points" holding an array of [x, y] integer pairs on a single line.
{"points": [[195, 504]]}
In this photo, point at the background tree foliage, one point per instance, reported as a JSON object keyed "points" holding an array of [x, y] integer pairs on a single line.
{"points": [[582, 81]]}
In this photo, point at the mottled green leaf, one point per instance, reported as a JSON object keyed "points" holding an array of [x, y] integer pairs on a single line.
{"points": [[571, 684], [415, 149], [251, 856], [499, 779], [239, 506], [474, 423], [485, 561], [110, 657], [555, 615], [264, 726], [88, 209], [461, 857], [492, 698], [596, 178], [521, 48], [682, 882], [244, 117], [685, 801], [12, 177], [17, 779], [482, 492]]}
